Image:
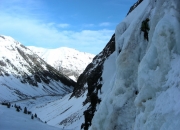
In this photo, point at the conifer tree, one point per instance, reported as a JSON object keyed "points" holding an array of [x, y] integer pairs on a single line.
{"points": [[8, 105], [32, 117], [35, 115], [17, 109], [25, 110]]}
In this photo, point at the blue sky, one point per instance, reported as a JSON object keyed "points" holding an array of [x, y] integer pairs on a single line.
{"points": [[85, 25]]}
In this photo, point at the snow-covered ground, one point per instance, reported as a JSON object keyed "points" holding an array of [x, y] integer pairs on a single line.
{"points": [[10, 119], [144, 92], [57, 111], [67, 60], [141, 79], [23, 74]]}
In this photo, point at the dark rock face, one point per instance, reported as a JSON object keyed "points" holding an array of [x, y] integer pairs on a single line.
{"points": [[93, 77], [69, 72], [94, 70], [134, 6], [39, 74]]}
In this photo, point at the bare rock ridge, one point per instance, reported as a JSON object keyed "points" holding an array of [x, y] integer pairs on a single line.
{"points": [[94, 70], [134, 6]]}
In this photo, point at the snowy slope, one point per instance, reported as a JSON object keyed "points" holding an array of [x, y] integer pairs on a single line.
{"points": [[65, 112], [67, 60], [144, 91], [140, 80], [24, 75], [68, 112], [57, 111], [94, 70], [12, 120]]}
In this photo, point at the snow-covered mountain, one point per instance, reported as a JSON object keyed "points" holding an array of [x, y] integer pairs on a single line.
{"points": [[66, 60], [143, 91], [133, 84], [140, 79], [23, 74], [68, 112], [94, 70]]}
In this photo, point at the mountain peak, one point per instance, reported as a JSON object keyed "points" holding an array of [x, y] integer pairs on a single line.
{"points": [[23, 74], [69, 61]]}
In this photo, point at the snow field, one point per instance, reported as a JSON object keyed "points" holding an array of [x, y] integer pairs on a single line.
{"points": [[143, 95], [12, 120], [58, 111]]}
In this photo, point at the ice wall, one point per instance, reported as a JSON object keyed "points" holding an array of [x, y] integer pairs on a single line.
{"points": [[146, 86]]}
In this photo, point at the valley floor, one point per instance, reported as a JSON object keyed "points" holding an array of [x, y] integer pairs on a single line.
{"points": [[58, 112], [12, 120]]}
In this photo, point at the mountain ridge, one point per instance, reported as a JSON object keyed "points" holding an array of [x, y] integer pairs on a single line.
{"points": [[69, 61], [21, 69]]}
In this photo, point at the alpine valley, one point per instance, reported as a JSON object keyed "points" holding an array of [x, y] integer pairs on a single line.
{"points": [[132, 84]]}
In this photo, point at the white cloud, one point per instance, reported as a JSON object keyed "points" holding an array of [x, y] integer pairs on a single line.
{"points": [[104, 24], [35, 33], [63, 25]]}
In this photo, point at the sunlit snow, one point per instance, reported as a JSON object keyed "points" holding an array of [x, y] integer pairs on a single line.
{"points": [[141, 79]]}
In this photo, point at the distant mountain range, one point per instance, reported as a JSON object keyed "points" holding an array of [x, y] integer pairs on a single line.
{"points": [[23, 74], [69, 61]]}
